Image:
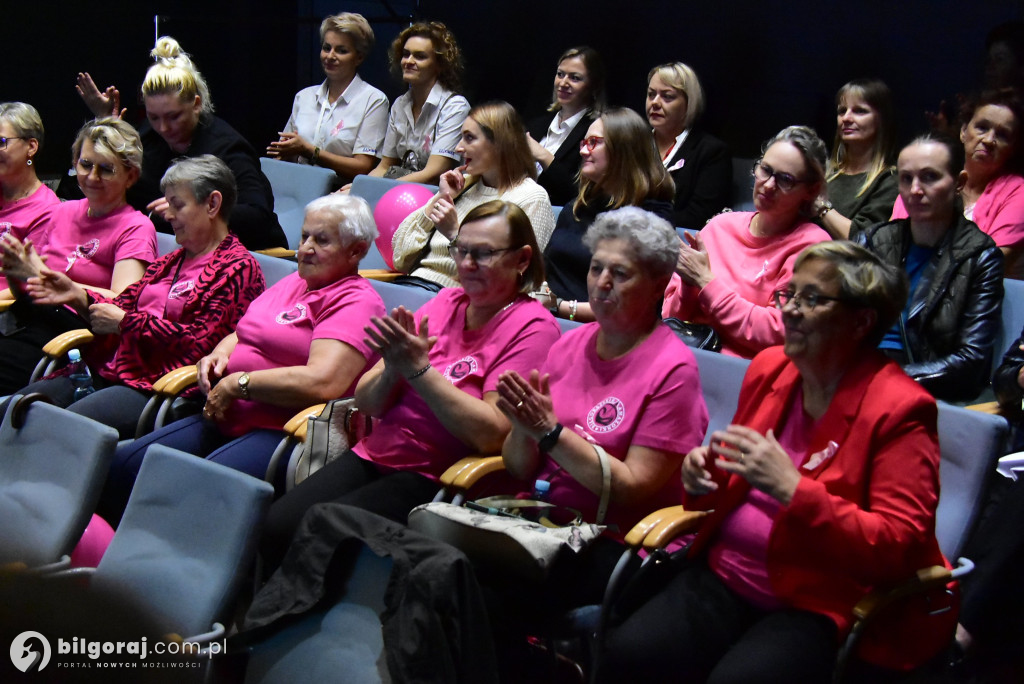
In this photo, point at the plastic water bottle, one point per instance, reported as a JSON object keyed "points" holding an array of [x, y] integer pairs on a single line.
{"points": [[541, 490], [81, 378]]}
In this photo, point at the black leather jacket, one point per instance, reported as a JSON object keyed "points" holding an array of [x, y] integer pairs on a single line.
{"points": [[954, 312], [1004, 382]]}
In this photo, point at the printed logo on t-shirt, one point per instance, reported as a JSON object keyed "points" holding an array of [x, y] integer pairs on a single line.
{"points": [[607, 415], [182, 288], [292, 315], [460, 369], [84, 251]]}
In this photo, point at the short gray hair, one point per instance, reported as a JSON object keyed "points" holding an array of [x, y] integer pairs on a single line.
{"points": [[654, 242], [24, 119], [202, 175], [351, 216]]}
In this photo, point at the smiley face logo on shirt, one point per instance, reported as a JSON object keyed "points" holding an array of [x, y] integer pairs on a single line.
{"points": [[606, 415], [460, 369], [292, 315]]}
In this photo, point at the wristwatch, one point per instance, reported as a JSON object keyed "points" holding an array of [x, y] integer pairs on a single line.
{"points": [[243, 385], [548, 441]]}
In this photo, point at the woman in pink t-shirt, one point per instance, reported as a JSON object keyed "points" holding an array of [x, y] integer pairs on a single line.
{"points": [[25, 203], [434, 393], [99, 242], [299, 343], [172, 317], [625, 384], [726, 275]]}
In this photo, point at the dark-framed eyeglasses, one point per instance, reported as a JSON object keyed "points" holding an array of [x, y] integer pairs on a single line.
{"points": [[786, 182], [482, 257], [591, 142], [805, 301], [3, 141]]}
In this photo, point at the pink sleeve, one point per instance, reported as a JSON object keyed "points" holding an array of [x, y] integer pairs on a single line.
{"points": [[745, 324], [137, 240], [344, 317], [676, 419], [898, 210], [527, 352], [679, 300], [1002, 215]]}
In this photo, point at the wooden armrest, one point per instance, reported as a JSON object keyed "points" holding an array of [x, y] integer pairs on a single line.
{"points": [[991, 407], [924, 580], [279, 252], [298, 424], [6, 299], [449, 476], [635, 537], [659, 528], [63, 343], [177, 381], [379, 274]]}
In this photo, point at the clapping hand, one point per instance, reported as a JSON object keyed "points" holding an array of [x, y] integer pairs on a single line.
{"points": [[404, 347]]}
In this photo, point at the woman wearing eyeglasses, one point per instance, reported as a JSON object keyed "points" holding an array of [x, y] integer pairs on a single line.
{"points": [[578, 99], [700, 164], [620, 168], [434, 393], [945, 335], [725, 276], [819, 492], [99, 242], [25, 203], [498, 165]]}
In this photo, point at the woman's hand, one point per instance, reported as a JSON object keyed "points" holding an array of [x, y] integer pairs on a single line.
{"points": [[210, 369], [539, 152], [451, 183], [19, 259], [404, 348], [220, 398], [105, 319], [101, 104], [697, 479], [51, 288], [527, 405], [693, 264], [159, 207], [289, 145], [757, 458]]}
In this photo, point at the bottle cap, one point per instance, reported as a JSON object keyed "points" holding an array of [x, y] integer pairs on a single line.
{"points": [[74, 355]]}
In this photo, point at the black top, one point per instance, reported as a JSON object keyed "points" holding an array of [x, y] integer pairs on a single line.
{"points": [[559, 179], [703, 181], [567, 259], [253, 219]]}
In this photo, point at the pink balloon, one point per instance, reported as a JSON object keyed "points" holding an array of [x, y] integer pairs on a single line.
{"points": [[392, 208], [93, 544]]}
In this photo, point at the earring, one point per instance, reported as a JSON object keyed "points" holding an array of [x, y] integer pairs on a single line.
{"points": [[29, 162]]}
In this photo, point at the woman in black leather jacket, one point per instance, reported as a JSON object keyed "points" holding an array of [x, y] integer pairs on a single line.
{"points": [[944, 336]]}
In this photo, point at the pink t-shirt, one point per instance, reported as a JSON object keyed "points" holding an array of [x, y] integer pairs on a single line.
{"points": [[278, 329], [650, 397], [166, 297], [740, 554], [747, 269], [86, 248], [408, 436], [28, 218], [999, 212]]}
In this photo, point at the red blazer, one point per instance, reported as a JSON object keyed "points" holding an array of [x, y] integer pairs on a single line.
{"points": [[863, 517]]}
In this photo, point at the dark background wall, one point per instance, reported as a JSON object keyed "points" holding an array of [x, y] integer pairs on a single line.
{"points": [[763, 65]]}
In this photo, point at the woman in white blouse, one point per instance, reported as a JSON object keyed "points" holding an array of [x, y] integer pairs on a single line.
{"points": [[498, 165], [339, 124]]}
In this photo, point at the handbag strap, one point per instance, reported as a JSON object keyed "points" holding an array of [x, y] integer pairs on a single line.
{"points": [[606, 483]]}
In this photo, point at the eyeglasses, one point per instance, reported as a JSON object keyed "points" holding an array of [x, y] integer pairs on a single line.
{"points": [[805, 301], [3, 141], [591, 142], [482, 257], [785, 181], [105, 171]]}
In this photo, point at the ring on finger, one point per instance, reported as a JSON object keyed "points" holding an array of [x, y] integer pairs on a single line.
{"points": [[520, 404]]}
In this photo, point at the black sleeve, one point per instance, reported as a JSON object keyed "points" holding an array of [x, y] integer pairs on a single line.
{"points": [[705, 188]]}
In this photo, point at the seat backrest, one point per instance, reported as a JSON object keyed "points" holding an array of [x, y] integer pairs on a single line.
{"points": [[294, 186], [275, 268], [165, 244], [566, 325], [971, 442], [371, 188], [742, 184], [52, 471], [1011, 321], [186, 539], [410, 297], [720, 379]]}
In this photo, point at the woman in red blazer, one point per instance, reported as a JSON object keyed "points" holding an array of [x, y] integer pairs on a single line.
{"points": [[823, 488]]}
